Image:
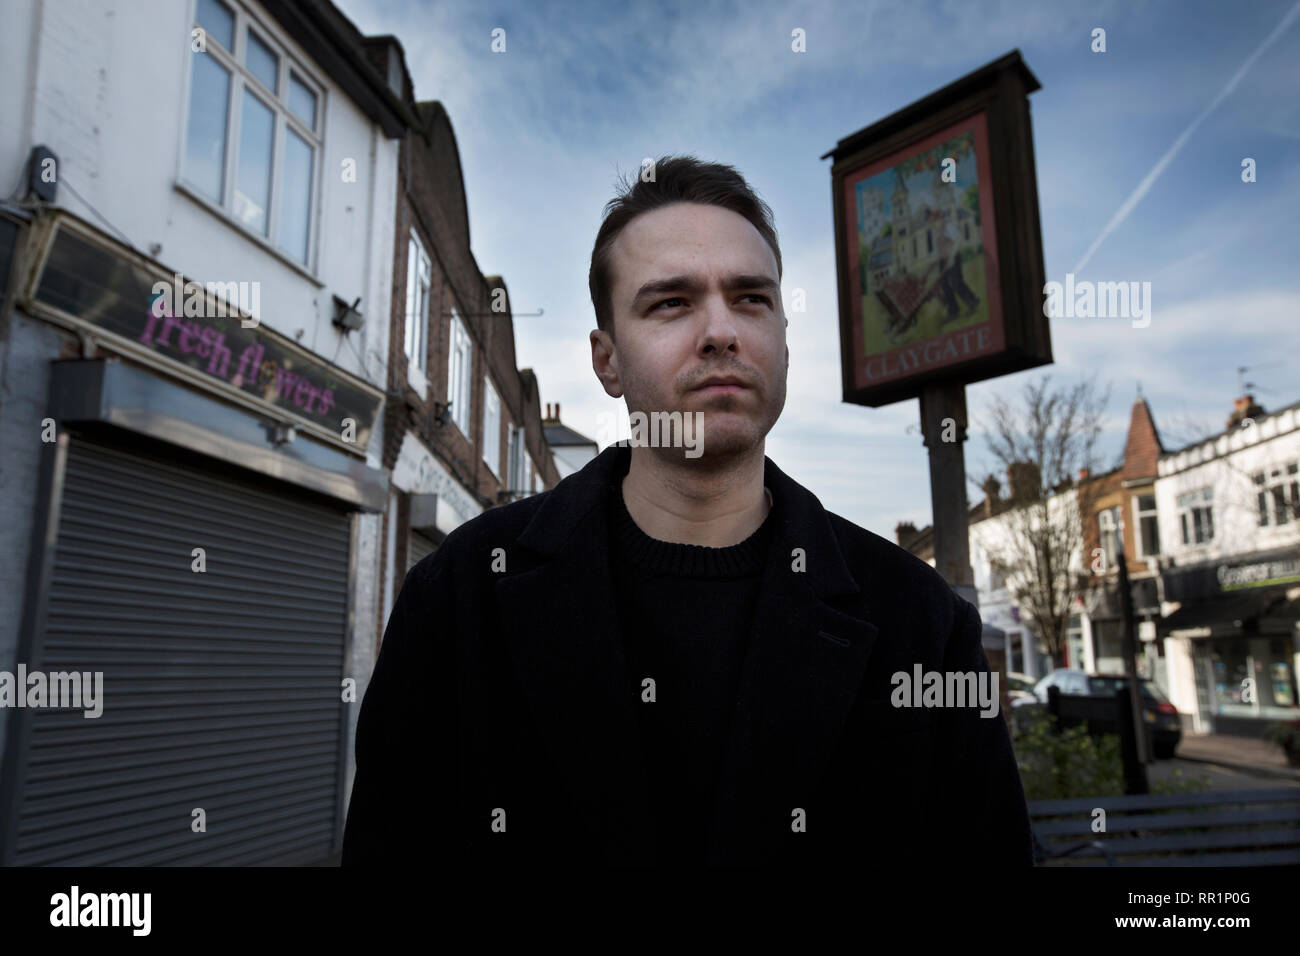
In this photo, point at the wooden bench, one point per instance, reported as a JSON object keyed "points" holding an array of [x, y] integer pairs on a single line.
{"points": [[1223, 828]]}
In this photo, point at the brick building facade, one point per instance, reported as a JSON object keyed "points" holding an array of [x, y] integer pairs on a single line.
{"points": [[463, 427]]}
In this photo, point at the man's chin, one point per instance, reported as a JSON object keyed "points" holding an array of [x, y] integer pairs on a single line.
{"points": [[723, 443]]}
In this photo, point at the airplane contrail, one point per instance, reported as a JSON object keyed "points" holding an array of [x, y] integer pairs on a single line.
{"points": [[1148, 181]]}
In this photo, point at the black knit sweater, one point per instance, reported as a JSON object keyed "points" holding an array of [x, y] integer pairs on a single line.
{"points": [[685, 612]]}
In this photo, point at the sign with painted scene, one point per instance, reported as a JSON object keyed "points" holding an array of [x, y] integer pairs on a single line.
{"points": [[937, 240]]}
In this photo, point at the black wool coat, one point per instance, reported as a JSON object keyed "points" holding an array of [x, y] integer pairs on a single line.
{"points": [[499, 726]]}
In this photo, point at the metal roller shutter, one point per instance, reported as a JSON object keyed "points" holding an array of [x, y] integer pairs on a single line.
{"points": [[418, 547], [221, 689]]}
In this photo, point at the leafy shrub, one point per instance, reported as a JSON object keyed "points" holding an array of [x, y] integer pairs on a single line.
{"points": [[1058, 766], [1177, 783]]}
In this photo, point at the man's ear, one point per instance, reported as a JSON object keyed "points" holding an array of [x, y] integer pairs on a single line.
{"points": [[604, 362]]}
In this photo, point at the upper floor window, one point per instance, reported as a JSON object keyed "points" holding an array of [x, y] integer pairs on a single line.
{"points": [[1278, 494], [460, 358], [491, 427], [419, 280], [517, 475], [1196, 516], [1110, 528], [1148, 525], [252, 136]]}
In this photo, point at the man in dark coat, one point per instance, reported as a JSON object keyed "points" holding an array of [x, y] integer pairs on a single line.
{"points": [[677, 655]]}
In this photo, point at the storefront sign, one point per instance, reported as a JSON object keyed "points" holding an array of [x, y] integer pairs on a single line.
{"points": [[1264, 574], [201, 331], [1206, 580]]}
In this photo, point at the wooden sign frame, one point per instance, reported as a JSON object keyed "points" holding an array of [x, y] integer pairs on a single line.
{"points": [[1004, 330]]}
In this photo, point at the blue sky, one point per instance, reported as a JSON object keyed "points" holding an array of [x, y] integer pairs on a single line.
{"points": [[585, 91]]}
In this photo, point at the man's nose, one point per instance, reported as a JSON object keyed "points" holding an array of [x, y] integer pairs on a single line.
{"points": [[720, 327]]}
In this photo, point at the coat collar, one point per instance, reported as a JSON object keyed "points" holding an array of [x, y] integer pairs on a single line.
{"points": [[800, 678], [804, 522]]}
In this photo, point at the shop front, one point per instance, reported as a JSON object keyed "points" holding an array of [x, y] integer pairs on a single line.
{"points": [[1238, 620], [195, 542], [1105, 619]]}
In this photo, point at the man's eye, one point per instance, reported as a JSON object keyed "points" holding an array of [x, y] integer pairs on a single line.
{"points": [[752, 295]]}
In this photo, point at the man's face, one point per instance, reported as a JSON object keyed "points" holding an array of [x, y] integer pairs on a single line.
{"points": [[695, 295]]}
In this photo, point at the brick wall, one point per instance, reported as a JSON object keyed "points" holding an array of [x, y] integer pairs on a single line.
{"points": [[431, 202]]}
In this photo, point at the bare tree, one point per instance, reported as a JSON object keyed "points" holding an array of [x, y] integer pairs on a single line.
{"points": [[1182, 429], [1041, 444]]}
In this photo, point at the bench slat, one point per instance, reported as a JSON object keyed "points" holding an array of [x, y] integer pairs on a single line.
{"points": [[1164, 801], [1082, 826], [1191, 841], [1262, 858]]}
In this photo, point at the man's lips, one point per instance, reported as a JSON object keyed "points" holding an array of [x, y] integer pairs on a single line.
{"points": [[721, 389], [724, 385]]}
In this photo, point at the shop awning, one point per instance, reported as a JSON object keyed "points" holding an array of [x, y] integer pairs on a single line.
{"points": [[114, 393], [1282, 617], [1226, 615]]}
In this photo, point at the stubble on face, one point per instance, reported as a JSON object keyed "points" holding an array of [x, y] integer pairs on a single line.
{"points": [[669, 342]]}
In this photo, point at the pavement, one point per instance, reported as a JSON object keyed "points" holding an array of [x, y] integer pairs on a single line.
{"points": [[1245, 754]]}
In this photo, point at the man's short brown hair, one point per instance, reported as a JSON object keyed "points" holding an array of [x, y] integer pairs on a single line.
{"points": [[676, 179]]}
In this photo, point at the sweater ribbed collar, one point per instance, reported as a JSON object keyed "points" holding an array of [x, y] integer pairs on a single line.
{"points": [[632, 545]]}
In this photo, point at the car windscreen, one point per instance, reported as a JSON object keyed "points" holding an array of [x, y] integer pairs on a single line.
{"points": [[1107, 686]]}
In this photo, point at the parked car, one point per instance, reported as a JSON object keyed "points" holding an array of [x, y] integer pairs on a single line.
{"points": [[1020, 686], [1161, 717]]}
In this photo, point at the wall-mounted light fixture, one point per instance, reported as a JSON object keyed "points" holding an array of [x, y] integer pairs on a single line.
{"points": [[280, 433], [346, 316]]}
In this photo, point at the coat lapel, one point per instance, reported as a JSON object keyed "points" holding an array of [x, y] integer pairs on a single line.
{"points": [[562, 632], [800, 678]]}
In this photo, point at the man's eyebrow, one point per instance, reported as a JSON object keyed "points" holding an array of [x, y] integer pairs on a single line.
{"points": [[684, 283]]}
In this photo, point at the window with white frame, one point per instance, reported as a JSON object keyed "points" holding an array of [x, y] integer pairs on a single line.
{"points": [[1278, 494], [1148, 539], [419, 280], [1110, 529], [460, 356], [1196, 516], [515, 483], [491, 427], [253, 132]]}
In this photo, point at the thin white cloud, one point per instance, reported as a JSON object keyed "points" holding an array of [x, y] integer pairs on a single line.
{"points": [[1162, 164]]}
